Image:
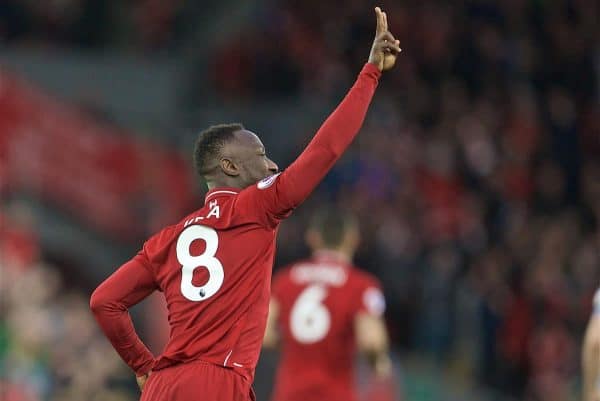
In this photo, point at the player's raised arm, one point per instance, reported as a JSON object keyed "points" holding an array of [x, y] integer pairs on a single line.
{"points": [[290, 188]]}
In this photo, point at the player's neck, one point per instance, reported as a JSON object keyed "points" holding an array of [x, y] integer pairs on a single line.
{"points": [[225, 182], [332, 254]]}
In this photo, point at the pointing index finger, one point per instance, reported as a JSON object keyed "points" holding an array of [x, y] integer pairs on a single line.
{"points": [[380, 21]]}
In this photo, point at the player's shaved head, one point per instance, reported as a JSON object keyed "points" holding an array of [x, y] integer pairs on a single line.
{"points": [[333, 226], [228, 155], [209, 145]]}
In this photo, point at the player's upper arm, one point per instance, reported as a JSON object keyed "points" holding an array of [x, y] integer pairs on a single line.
{"points": [[591, 341], [371, 333], [127, 286], [370, 330]]}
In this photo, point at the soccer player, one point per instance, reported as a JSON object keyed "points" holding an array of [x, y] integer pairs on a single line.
{"points": [[591, 355], [322, 311], [214, 267]]}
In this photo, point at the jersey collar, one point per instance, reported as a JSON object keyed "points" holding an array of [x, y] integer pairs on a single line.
{"points": [[221, 191], [331, 255]]}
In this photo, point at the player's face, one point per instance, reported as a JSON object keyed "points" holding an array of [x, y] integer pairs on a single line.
{"points": [[251, 158]]}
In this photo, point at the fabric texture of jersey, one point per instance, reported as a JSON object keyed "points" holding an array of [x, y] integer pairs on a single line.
{"points": [[214, 267], [196, 381], [319, 300]]}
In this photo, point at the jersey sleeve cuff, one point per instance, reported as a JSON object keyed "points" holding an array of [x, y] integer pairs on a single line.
{"points": [[145, 368], [371, 70]]}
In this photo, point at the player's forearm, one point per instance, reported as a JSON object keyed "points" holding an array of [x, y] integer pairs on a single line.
{"points": [[376, 350], [131, 283], [380, 362], [372, 341], [115, 321], [332, 139]]}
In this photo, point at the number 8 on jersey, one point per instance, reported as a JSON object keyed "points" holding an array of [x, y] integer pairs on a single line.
{"points": [[207, 259]]}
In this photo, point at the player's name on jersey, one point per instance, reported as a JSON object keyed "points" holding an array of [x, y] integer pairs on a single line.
{"points": [[309, 273], [214, 212]]}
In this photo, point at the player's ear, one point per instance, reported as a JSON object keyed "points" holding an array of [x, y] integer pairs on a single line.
{"points": [[229, 167]]}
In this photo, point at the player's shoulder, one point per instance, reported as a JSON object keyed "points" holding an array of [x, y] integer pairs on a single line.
{"points": [[263, 186], [267, 182], [168, 233], [372, 299], [163, 233], [360, 277]]}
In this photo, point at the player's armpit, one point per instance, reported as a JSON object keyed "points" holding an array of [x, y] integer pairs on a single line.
{"points": [[271, 337], [131, 283], [372, 341]]}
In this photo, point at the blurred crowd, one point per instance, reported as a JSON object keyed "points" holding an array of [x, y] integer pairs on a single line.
{"points": [[91, 24], [50, 347], [477, 176]]}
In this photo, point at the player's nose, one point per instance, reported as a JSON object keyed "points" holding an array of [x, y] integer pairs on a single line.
{"points": [[273, 168]]}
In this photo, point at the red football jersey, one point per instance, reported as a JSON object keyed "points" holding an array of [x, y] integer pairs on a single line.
{"points": [[214, 267], [318, 302]]}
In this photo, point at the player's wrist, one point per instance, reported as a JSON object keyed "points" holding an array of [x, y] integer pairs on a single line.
{"points": [[371, 68], [146, 368]]}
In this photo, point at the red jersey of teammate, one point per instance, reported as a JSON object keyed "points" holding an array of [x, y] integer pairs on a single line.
{"points": [[214, 267], [318, 301]]}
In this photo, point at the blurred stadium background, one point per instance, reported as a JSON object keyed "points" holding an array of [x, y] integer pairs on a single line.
{"points": [[476, 177]]}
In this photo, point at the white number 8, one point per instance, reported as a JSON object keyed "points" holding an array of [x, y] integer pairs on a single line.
{"points": [[310, 319], [189, 263]]}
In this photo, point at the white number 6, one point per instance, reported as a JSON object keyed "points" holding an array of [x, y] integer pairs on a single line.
{"points": [[189, 263], [310, 319]]}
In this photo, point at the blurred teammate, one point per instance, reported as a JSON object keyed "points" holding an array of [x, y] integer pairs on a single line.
{"points": [[591, 355], [322, 310], [214, 267]]}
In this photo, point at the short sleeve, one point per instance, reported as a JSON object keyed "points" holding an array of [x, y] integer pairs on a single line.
{"points": [[371, 300], [596, 310]]}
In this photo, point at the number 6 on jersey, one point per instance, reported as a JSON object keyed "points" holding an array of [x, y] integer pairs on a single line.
{"points": [[310, 319], [189, 262]]}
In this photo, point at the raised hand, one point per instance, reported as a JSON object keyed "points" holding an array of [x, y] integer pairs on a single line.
{"points": [[385, 47]]}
